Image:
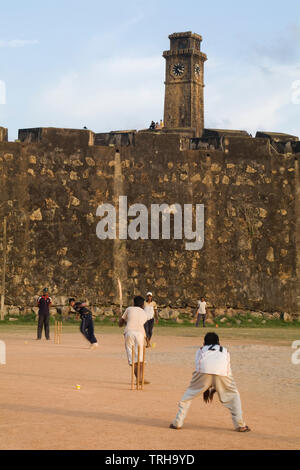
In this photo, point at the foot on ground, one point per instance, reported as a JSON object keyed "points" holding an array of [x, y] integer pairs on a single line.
{"points": [[243, 429], [173, 427]]}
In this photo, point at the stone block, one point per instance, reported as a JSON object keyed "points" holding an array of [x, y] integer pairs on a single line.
{"points": [[164, 314], [287, 317], [173, 314], [15, 311], [108, 312], [256, 315], [3, 134], [53, 311]]}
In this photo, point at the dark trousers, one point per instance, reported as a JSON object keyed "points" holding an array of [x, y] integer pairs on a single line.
{"points": [[43, 321], [149, 328], [87, 328], [199, 317]]}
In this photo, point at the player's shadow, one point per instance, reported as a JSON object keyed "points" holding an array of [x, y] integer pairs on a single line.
{"points": [[111, 417], [100, 416]]}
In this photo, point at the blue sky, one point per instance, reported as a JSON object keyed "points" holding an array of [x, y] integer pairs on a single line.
{"points": [[73, 63]]}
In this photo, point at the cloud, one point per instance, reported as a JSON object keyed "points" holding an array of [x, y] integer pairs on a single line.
{"points": [[128, 92], [246, 97], [280, 48], [17, 43], [113, 92]]}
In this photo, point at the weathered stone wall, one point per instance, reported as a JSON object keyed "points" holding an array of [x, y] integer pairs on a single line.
{"points": [[3, 134], [50, 191]]}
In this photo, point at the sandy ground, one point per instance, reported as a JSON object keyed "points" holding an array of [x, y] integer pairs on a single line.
{"points": [[40, 407]]}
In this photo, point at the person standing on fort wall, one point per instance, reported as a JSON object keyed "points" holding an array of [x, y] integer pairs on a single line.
{"points": [[43, 303], [151, 311]]}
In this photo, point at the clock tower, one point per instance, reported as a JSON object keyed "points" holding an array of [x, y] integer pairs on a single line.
{"points": [[184, 104]]}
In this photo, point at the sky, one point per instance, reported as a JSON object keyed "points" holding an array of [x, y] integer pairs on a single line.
{"points": [[99, 64]]}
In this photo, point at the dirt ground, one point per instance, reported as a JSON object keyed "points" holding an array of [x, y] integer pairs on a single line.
{"points": [[40, 407]]}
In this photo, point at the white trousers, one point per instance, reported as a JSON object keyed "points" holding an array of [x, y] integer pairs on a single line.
{"points": [[134, 338], [226, 390]]}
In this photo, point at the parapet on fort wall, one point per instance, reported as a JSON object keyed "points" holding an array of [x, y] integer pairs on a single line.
{"points": [[53, 180]]}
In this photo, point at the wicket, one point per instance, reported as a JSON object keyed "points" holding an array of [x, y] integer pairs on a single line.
{"points": [[139, 382], [57, 331]]}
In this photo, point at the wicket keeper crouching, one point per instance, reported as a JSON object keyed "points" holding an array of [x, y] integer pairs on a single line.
{"points": [[212, 374]]}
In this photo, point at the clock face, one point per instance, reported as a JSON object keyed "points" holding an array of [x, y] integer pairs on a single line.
{"points": [[178, 70], [197, 70]]}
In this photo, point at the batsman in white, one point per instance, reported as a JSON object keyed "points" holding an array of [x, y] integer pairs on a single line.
{"points": [[135, 318]]}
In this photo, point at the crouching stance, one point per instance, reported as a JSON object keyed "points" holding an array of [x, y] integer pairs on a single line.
{"points": [[212, 374], [134, 334]]}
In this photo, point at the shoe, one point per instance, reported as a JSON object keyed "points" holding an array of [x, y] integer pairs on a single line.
{"points": [[94, 346], [243, 429], [146, 382], [173, 427]]}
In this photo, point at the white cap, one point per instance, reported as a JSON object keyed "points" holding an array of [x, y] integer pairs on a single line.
{"points": [[149, 293]]}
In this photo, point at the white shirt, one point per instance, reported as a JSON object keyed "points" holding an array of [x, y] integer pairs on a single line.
{"points": [[202, 307], [149, 309], [214, 360], [135, 318]]}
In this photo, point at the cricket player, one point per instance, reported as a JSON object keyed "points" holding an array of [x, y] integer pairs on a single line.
{"points": [[44, 302], [134, 334], [212, 374], [87, 324], [150, 308], [201, 312]]}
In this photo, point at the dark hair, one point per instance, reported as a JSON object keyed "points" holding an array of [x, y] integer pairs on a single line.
{"points": [[71, 300], [138, 301], [211, 338]]}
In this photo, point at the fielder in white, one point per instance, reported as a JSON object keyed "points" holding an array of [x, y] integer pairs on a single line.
{"points": [[212, 374]]}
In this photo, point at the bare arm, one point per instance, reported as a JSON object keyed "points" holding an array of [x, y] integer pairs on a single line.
{"points": [[122, 322]]}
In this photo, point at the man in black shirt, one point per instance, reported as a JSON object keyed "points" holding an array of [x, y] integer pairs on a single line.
{"points": [[44, 302], [87, 324]]}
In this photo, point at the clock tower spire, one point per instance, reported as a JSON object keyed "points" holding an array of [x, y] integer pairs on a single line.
{"points": [[184, 103]]}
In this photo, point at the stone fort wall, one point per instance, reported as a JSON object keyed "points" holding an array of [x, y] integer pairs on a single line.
{"points": [[53, 181]]}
